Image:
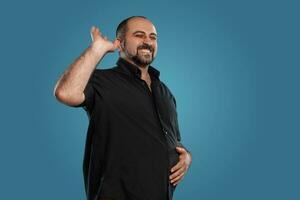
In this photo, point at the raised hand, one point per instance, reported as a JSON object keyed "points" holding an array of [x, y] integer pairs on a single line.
{"points": [[100, 42]]}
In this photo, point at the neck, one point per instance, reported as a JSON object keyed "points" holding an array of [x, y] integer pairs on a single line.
{"points": [[144, 69]]}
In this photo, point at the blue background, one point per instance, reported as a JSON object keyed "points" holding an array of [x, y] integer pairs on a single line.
{"points": [[232, 65]]}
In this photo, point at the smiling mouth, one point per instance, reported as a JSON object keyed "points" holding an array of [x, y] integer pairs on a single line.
{"points": [[145, 50]]}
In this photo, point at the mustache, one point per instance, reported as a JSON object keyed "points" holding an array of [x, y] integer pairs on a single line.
{"points": [[146, 46]]}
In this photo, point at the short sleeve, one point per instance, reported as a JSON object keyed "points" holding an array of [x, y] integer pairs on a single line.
{"points": [[89, 93]]}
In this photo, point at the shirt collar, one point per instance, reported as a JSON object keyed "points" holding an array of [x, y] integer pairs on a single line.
{"points": [[133, 70]]}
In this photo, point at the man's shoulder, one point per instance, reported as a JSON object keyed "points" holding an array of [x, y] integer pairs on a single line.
{"points": [[101, 73], [105, 71]]}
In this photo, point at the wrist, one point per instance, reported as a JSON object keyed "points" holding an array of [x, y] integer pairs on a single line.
{"points": [[98, 49]]}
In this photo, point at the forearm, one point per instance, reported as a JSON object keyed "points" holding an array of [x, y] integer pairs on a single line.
{"points": [[70, 86]]}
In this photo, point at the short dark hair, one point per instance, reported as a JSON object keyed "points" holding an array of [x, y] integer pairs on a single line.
{"points": [[122, 27]]}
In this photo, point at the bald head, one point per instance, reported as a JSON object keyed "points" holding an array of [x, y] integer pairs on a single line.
{"points": [[123, 26]]}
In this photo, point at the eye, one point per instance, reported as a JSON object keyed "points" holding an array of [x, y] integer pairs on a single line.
{"points": [[139, 35], [153, 38]]}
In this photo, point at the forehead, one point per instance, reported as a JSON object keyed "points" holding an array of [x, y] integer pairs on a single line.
{"points": [[140, 24]]}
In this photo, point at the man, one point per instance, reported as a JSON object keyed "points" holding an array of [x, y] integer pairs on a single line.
{"points": [[133, 149]]}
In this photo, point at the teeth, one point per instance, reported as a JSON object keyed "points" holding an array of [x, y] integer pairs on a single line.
{"points": [[145, 50]]}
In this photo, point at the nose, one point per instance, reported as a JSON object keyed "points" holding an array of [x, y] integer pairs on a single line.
{"points": [[147, 40]]}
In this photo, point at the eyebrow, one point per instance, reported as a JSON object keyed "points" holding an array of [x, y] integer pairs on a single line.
{"points": [[144, 33]]}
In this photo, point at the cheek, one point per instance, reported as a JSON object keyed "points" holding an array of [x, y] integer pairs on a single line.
{"points": [[129, 49], [132, 50], [131, 46]]}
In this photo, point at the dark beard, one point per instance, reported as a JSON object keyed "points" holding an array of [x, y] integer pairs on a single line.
{"points": [[140, 60]]}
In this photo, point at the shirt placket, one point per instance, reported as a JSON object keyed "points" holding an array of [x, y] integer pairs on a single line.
{"points": [[165, 132]]}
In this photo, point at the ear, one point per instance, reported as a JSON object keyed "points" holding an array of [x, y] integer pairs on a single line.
{"points": [[117, 43], [120, 44]]}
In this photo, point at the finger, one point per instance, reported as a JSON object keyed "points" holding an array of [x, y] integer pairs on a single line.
{"points": [[95, 33], [178, 179], [177, 173], [180, 150], [92, 32], [177, 166], [97, 29], [175, 183], [99, 32], [92, 29], [116, 43]]}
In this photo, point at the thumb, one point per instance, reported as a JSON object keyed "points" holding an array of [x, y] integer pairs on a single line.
{"points": [[116, 44], [180, 149]]}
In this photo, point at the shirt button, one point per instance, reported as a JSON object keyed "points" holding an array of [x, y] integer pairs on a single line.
{"points": [[166, 132]]}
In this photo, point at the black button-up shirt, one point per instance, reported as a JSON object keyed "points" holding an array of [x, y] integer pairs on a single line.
{"points": [[132, 135]]}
